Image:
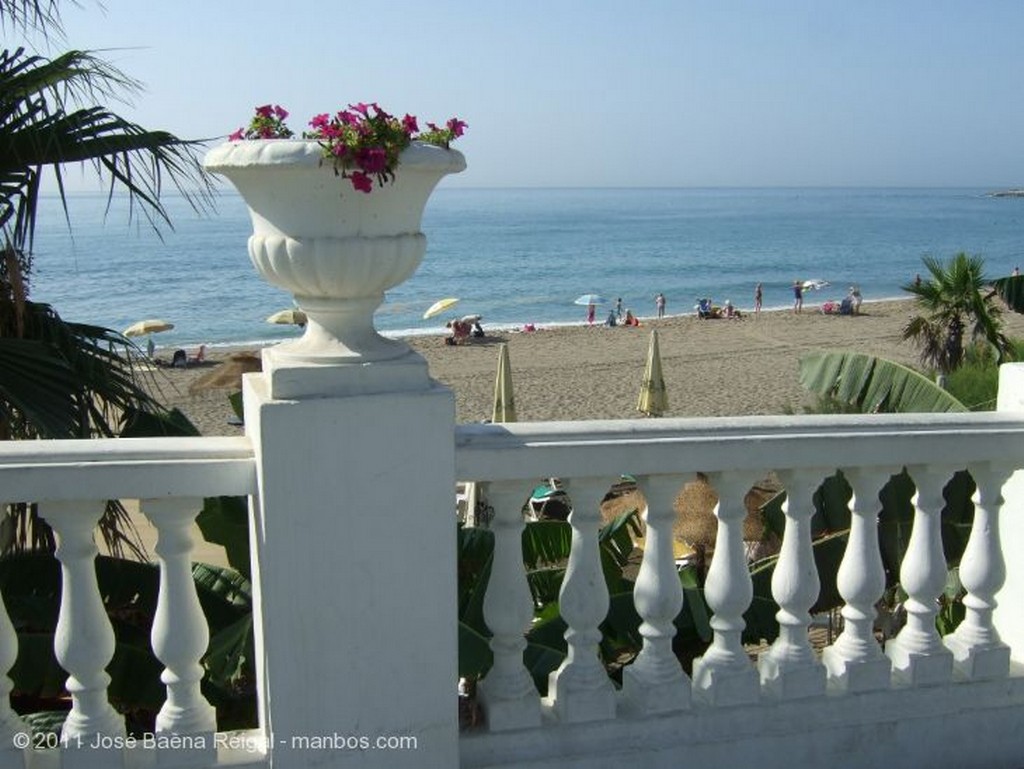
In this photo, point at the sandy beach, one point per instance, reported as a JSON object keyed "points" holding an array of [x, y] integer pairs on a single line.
{"points": [[712, 367]]}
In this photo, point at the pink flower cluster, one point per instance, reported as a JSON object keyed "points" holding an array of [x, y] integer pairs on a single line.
{"points": [[363, 142], [267, 123]]}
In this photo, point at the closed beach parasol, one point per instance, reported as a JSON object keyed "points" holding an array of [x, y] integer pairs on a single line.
{"points": [[653, 400], [504, 401], [151, 326], [292, 317], [590, 299], [440, 306]]}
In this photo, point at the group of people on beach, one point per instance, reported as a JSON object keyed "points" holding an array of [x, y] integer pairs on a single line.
{"points": [[464, 329], [706, 308]]}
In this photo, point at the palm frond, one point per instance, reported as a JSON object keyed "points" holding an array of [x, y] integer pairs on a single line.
{"points": [[43, 124], [39, 15]]}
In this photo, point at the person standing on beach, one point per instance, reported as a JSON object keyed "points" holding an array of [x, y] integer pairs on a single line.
{"points": [[659, 304], [618, 308], [798, 297], [758, 297], [591, 312]]}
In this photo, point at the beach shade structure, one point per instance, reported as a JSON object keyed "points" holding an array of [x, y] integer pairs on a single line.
{"points": [[588, 299], [151, 326], [653, 400], [440, 306], [504, 401], [228, 375], [290, 317]]}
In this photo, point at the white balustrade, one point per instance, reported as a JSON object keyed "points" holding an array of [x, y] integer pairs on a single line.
{"points": [[917, 653], [855, 662], [507, 694], [724, 675], [978, 652], [790, 669], [580, 689], [84, 639], [180, 635], [10, 723], [655, 682]]}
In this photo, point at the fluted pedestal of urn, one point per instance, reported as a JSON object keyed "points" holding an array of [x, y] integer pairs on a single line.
{"points": [[336, 250]]}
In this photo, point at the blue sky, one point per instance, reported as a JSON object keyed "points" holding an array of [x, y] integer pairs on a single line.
{"points": [[688, 93]]}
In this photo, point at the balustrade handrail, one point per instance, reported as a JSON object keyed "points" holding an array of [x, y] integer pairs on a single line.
{"points": [[513, 451], [127, 468]]}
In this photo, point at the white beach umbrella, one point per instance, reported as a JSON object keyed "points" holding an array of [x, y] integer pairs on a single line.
{"points": [[440, 306], [151, 326], [291, 317]]}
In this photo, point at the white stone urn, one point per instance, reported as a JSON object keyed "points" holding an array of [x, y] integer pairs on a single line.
{"points": [[336, 249]]}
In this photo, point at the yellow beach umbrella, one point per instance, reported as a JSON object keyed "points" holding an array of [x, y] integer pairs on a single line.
{"points": [[504, 401], [291, 317], [653, 399], [151, 326], [439, 306]]}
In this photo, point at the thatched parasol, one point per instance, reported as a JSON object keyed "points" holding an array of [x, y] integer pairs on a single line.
{"points": [[228, 375]]}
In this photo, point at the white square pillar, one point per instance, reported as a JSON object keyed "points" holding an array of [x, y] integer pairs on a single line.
{"points": [[355, 576], [1008, 616]]}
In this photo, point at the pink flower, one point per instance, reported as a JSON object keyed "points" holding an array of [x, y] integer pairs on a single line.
{"points": [[281, 112], [456, 126], [373, 160], [361, 182], [237, 135], [362, 109], [320, 121], [339, 150], [347, 118], [265, 111], [409, 125]]}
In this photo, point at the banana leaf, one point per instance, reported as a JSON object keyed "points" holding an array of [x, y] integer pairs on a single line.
{"points": [[1011, 290], [873, 384]]}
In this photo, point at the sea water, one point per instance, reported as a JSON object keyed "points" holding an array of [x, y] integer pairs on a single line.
{"points": [[519, 256]]}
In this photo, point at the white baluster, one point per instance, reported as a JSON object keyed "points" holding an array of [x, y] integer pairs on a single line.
{"points": [[978, 652], [655, 682], [917, 654], [84, 639], [790, 669], [507, 695], [855, 662], [580, 689], [724, 675], [10, 723], [180, 635]]}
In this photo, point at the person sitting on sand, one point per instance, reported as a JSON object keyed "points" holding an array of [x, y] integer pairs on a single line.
{"points": [[460, 332], [200, 355], [730, 311], [611, 320], [704, 309], [631, 319], [856, 298]]}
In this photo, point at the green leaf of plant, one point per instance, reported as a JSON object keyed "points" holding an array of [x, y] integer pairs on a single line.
{"points": [[873, 384]]}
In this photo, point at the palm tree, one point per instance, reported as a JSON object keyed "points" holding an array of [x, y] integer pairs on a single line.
{"points": [[951, 303], [61, 379]]}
